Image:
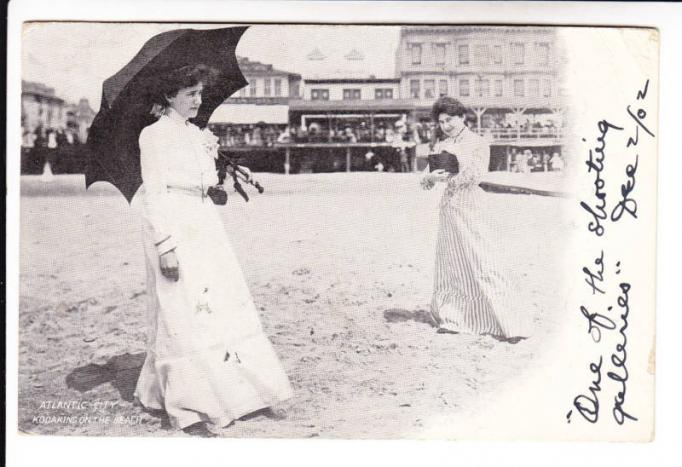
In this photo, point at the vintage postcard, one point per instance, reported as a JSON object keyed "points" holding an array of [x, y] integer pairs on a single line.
{"points": [[349, 231]]}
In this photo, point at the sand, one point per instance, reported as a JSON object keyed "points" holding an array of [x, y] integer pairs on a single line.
{"points": [[340, 267]]}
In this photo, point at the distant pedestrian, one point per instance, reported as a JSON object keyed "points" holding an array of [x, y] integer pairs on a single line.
{"points": [[404, 165]]}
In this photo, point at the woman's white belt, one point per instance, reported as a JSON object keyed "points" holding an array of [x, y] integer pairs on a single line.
{"points": [[187, 190]]}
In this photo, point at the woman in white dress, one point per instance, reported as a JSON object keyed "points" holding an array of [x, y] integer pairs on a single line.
{"points": [[472, 293], [208, 361]]}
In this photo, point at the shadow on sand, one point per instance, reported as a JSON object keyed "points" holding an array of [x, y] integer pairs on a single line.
{"points": [[121, 371], [398, 315]]}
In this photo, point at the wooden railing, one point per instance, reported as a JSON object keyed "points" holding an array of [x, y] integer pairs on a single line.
{"points": [[519, 133]]}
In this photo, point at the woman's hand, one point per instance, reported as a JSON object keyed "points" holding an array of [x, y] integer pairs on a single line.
{"points": [[430, 179], [244, 173], [169, 265], [426, 183]]}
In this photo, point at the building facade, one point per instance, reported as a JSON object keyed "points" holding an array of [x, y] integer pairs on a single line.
{"points": [[492, 70], [256, 114], [267, 82], [79, 117], [351, 89], [41, 109]]}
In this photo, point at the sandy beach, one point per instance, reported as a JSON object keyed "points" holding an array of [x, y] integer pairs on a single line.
{"points": [[339, 265]]}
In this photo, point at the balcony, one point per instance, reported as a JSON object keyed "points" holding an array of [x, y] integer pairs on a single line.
{"points": [[532, 136]]}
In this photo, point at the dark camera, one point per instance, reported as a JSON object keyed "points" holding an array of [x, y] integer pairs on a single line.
{"points": [[445, 161], [217, 194]]}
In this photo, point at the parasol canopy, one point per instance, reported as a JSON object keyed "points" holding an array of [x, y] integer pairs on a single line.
{"points": [[127, 98]]}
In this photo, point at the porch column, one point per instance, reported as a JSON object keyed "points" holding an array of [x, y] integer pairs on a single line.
{"points": [[479, 111], [287, 157], [558, 113], [348, 159], [518, 113]]}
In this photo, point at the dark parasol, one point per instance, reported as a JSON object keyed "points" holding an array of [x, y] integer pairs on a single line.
{"points": [[112, 146]]}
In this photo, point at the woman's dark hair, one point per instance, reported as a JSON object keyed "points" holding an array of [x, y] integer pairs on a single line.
{"points": [[445, 105], [168, 84], [449, 106]]}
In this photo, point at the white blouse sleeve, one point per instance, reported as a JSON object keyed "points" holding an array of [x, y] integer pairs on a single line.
{"points": [[154, 148]]}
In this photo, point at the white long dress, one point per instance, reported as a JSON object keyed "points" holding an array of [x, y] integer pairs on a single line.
{"points": [[474, 289], [207, 356]]}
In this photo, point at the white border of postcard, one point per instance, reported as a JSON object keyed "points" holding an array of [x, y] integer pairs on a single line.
{"points": [[56, 451]]}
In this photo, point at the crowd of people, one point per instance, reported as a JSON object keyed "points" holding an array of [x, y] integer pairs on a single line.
{"points": [[534, 161], [260, 134], [45, 150], [268, 135], [355, 133], [57, 150], [48, 138]]}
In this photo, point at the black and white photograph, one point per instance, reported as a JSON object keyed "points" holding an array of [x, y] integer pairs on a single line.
{"points": [[340, 231]]}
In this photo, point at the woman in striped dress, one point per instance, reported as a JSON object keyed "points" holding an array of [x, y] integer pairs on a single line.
{"points": [[471, 292]]}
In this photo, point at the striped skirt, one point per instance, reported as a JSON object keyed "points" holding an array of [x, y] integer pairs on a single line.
{"points": [[473, 290]]}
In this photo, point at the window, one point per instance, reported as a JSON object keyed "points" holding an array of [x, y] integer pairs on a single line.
{"points": [[464, 87], [319, 94], [534, 88], [416, 53], [439, 52], [381, 93], [483, 87], [497, 54], [463, 54], [351, 94], [546, 88], [481, 55], [518, 88], [414, 89], [278, 87], [253, 88], [242, 92], [542, 53], [429, 88], [294, 90], [267, 86], [498, 88], [517, 53], [443, 87]]}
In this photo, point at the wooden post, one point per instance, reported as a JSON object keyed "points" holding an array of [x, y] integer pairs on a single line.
{"points": [[348, 159], [287, 159], [479, 111], [329, 128], [518, 112]]}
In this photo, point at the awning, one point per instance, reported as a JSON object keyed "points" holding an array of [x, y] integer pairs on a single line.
{"points": [[359, 105], [249, 114]]}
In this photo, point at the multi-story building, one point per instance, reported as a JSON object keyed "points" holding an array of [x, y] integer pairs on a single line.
{"points": [[263, 102], [509, 78], [267, 82], [41, 109], [337, 102], [79, 117], [364, 89]]}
